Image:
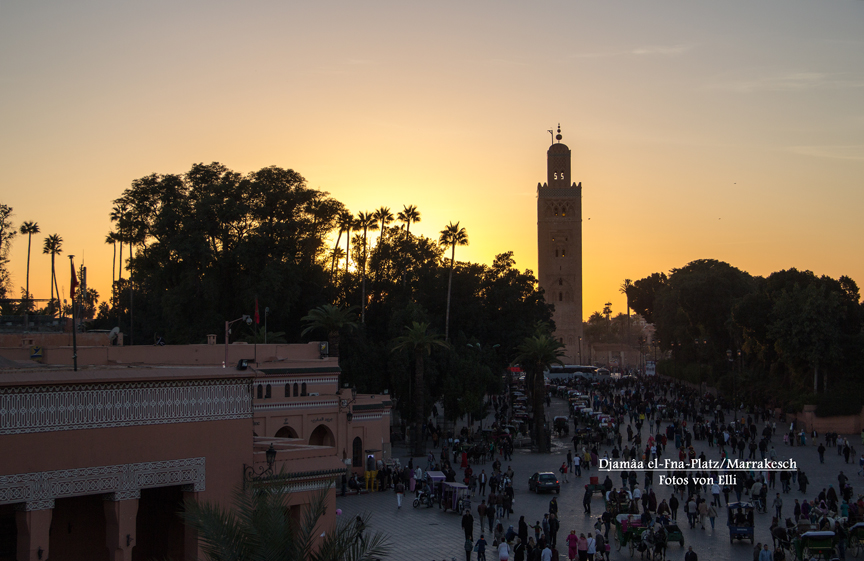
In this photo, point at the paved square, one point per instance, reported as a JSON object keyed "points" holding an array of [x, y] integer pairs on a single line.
{"points": [[432, 535]]}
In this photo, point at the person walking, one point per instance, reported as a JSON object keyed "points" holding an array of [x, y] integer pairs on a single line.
{"points": [[712, 514], [586, 500], [482, 479], [469, 547], [480, 547], [468, 525], [400, 493], [690, 555], [765, 554], [592, 547], [563, 470], [778, 507], [481, 513]]}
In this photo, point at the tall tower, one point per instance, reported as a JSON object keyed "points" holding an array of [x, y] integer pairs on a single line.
{"points": [[559, 248]]}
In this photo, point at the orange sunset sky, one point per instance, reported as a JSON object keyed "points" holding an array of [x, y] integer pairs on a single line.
{"points": [[729, 130]]}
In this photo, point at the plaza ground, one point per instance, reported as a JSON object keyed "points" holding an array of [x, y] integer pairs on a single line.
{"points": [[432, 535]]}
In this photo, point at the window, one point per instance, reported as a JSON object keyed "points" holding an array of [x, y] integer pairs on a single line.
{"points": [[303, 389], [560, 296], [560, 282], [556, 253], [260, 392], [563, 252], [267, 393], [287, 390], [296, 390]]}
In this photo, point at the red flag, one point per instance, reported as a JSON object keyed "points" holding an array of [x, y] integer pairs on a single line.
{"points": [[257, 317], [74, 284]]}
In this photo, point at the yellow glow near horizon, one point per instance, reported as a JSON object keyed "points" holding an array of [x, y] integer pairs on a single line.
{"points": [[731, 132]]}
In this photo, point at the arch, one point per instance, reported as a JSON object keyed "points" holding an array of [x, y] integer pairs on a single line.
{"points": [[357, 452], [286, 432], [296, 390], [287, 390], [303, 388], [322, 436], [259, 394], [268, 393], [560, 296]]}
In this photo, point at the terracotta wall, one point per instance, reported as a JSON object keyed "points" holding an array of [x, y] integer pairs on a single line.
{"points": [[226, 445], [845, 424]]}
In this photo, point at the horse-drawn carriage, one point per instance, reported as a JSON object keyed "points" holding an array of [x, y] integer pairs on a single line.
{"points": [[818, 545], [621, 503], [628, 532], [740, 521], [856, 539]]}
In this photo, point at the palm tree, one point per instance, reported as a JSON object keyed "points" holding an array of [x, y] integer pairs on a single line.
{"points": [[385, 217], [260, 525], [111, 238], [536, 354], [343, 223], [349, 226], [119, 213], [452, 235], [28, 229], [330, 319], [365, 221], [626, 288], [408, 214], [419, 341], [53, 246]]}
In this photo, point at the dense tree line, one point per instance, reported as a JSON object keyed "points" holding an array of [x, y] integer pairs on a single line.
{"points": [[776, 338], [200, 248]]}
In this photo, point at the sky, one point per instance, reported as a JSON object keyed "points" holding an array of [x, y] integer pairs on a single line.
{"points": [[725, 130]]}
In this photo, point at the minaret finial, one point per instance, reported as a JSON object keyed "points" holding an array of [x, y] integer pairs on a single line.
{"points": [[552, 135], [558, 136]]}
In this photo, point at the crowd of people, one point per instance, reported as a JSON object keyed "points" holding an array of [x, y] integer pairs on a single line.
{"points": [[647, 419]]}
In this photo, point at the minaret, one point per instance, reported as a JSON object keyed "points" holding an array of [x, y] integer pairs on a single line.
{"points": [[559, 248]]}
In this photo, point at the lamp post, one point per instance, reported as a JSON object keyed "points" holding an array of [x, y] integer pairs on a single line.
{"points": [[251, 475], [228, 325], [74, 327]]}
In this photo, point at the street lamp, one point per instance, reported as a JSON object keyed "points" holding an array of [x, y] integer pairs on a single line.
{"points": [[228, 325], [251, 475]]}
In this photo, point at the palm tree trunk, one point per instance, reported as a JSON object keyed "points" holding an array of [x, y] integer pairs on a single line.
{"points": [[54, 276], [419, 442], [120, 277], [363, 282], [449, 287], [27, 289], [333, 262], [113, 267], [51, 282]]}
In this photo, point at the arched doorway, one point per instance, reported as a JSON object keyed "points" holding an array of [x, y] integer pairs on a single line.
{"points": [[357, 452], [322, 436], [286, 432]]}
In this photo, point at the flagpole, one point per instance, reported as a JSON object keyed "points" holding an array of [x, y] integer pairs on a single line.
{"points": [[74, 327]]}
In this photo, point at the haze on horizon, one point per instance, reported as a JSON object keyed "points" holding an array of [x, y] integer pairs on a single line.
{"points": [[732, 131]]}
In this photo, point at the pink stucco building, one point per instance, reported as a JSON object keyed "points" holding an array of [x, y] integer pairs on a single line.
{"points": [[96, 463]]}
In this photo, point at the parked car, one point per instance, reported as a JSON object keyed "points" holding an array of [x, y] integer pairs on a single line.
{"points": [[544, 481]]}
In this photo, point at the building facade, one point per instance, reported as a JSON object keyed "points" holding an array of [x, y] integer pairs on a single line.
{"points": [[98, 462], [559, 248]]}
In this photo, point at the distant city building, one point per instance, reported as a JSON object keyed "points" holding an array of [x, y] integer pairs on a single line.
{"points": [[559, 247]]}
